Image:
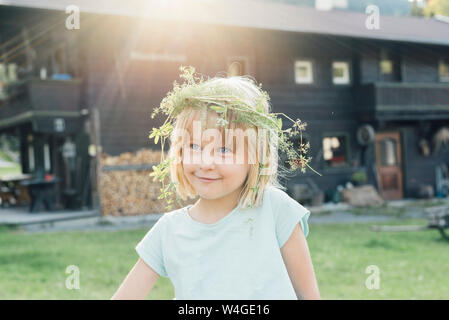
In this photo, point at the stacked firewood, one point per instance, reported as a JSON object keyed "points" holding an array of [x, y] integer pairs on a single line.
{"points": [[126, 190], [143, 156]]}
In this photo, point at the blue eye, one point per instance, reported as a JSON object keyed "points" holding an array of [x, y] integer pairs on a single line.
{"points": [[194, 146], [225, 150]]}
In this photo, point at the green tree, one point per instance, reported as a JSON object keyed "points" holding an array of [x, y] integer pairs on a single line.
{"points": [[435, 7], [387, 7]]}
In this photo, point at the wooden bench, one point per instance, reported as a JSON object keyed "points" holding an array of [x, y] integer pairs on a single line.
{"points": [[438, 218]]}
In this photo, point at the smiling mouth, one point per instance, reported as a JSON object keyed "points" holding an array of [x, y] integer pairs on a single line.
{"points": [[206, 179]]}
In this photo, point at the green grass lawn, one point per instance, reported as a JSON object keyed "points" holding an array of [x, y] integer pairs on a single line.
{"points": [[412, 265], [10, 170], [4, 156]]}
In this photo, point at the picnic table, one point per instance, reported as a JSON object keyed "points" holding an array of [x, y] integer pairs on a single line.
{"points": [[438, 218], [42, 192]]}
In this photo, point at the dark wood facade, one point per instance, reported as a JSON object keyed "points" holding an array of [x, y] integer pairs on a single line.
{"points": [[46, 113], [127, 65], [399, 103]]}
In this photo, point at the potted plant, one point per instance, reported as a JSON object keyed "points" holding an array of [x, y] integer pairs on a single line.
{"points": [[358, 178]]}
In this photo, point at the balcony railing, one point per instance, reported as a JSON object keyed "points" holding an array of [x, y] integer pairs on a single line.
{"points": [[403, 101], [41, 96]]}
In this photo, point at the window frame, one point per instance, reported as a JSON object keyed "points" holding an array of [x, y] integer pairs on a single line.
{"points": [[232, 59], [441, 61], [312, 70], [348, 63], [380, 67], [385, 55], [329, 134]]}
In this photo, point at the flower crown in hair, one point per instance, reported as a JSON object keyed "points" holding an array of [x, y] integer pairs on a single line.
{"points": [[192, 93]]}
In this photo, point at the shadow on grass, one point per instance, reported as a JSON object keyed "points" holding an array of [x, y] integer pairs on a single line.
{"points": [[381, 210], [10, 228]]}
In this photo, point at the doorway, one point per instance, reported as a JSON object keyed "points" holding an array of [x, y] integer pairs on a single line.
{"points": [[389, 165]]}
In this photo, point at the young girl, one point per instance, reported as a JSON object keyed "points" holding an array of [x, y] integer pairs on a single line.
{"points": [[244, 238]]}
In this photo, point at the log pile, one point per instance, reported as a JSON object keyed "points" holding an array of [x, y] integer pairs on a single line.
{"points": [[143, 156], [131, 191]]}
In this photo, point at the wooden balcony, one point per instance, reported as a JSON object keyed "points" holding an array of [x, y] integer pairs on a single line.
{"points": [[40, 100], [403, 101]]}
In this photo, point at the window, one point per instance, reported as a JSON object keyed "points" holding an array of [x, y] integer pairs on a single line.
{"points": [[31, 157], [303, 71], [8, 75], [47, 161], [388, 152], [443, 70], [386, 66], [59, 60], [390, 65], [335, 150], [386, 63], [237, 66], [3, 81], [340, 72]]}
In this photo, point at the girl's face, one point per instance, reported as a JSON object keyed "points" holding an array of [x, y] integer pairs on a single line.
{"points": [[213, 166]]}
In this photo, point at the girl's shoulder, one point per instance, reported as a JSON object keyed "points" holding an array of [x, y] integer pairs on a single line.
{"points": [[280, 198], [172, 216], [275, 194]]}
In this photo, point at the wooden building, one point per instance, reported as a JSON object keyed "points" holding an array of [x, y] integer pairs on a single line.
{"points": [[375, 100]]}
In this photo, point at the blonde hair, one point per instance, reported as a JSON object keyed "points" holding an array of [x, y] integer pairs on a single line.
{"points": [[244, 88]]}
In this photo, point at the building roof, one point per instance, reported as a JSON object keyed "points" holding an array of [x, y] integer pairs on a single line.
{"points": [[261, 15]]}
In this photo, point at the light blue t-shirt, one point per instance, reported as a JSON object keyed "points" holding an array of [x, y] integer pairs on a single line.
{"points": [[237, 257]]}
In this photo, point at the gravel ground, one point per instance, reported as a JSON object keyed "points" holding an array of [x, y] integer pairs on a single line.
{"points": [[328, 213], [107, 223]]}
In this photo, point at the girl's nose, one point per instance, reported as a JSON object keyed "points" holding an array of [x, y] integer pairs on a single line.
{"points": [[207, 161], [207, 167]]}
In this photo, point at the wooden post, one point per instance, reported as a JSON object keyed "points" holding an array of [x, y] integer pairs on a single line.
{"points": [[95, 164]]}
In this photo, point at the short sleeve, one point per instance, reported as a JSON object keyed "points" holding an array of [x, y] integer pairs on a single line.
{"points": [[287, 214], [150, 247]]}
